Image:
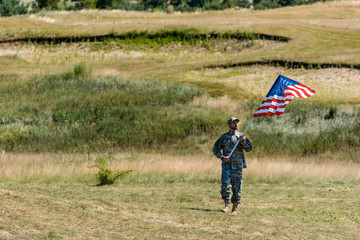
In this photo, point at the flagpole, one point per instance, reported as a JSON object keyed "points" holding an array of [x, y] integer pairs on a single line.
{"points": [[247, 126], [237, 143]]}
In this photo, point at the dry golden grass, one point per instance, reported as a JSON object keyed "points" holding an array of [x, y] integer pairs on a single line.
{"points": [[16, 166], [224, 103], [324, 32], [123, 20], [41, 165], [338, 85]]}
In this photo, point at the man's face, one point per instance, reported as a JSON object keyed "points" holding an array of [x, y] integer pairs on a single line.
{"points": [[233, 126]]}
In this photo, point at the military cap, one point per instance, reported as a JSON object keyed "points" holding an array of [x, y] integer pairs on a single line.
{"points": [[232, 119]]}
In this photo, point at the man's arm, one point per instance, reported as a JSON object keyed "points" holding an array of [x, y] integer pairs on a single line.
{"points": [[246, 144], [218, 147]]}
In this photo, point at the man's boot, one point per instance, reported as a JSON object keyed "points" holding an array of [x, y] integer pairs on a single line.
{"points": [[227, 206], [235, 205]]}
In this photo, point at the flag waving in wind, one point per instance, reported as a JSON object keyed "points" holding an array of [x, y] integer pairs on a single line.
{"points": [[280, 94]]}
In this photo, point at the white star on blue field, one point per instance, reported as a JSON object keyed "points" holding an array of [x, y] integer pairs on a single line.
{"points": [[280, 85]]}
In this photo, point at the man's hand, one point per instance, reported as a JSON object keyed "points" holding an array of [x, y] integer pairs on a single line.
{"points": [[225, 159], [242, 139]]}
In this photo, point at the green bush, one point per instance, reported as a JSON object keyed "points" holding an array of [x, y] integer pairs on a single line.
{"points": [[108, 4], [80, 70], [85, 4], [267, 4], [12, 7], [106, 176], [242, 3], [216, 5], [48, 4], [152, 4]]}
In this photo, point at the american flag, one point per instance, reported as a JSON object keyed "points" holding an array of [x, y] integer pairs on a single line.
{"points": [[280, 94]]}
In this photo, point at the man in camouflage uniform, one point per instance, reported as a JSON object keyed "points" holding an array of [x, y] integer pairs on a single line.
{"points": [[231, 177]]}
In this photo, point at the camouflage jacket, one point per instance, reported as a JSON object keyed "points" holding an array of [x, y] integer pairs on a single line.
{"points": [[226, 142]]}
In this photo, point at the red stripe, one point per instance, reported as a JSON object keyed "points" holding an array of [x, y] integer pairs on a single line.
{"points": [[274, 100], [289, 94], [311, 90], [272, 107], [268, 113], [275, 113], [295, 90], [303, 91]]}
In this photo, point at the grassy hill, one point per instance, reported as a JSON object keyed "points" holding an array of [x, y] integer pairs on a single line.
{"points": [[73, 112], [186, 55]]}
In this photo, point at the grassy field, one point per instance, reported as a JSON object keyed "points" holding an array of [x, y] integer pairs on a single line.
{"points": [[178, 206], [56, 197], [156, 106]]}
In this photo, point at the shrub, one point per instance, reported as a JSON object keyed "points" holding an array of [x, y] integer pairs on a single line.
{"points": [[215, 5], [12, 7], [105, 176], [154, 4], [332, 113], [80, 70], [242, 3], [48, 4], [85, 4], [265, 4], [108, 4]]}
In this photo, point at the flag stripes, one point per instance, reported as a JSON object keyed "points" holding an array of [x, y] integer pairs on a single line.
{"points": [[282, 92]]}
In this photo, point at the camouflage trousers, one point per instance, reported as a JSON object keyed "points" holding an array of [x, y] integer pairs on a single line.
{"points": [[231, 180]]}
